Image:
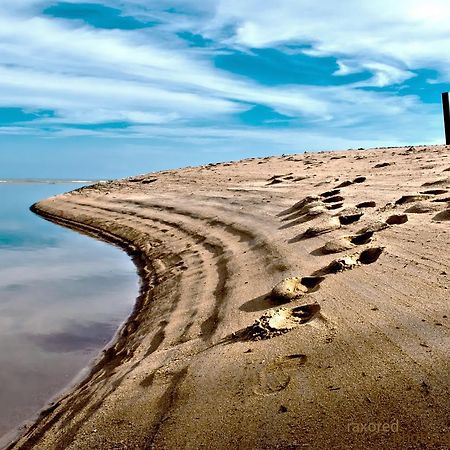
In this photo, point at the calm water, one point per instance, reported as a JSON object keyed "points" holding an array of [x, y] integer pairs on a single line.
{"points": [[62, 297]]}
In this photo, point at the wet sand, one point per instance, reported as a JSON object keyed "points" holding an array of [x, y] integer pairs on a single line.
{"points": [[352, 351]]}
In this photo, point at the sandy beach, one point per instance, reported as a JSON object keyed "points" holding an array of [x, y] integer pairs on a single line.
{"points": [[351, 351]]}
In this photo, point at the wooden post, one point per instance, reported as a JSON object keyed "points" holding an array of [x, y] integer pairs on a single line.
{"points": [[445, 109]]}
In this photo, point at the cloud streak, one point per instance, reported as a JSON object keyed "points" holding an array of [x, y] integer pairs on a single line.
{"points": [[153, 82]]}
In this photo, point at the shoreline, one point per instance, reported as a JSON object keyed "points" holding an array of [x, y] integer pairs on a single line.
{"points": [[209, 354], [84, 375]]}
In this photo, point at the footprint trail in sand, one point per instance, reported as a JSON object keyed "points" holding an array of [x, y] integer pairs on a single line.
{"points": [[357, 330]]}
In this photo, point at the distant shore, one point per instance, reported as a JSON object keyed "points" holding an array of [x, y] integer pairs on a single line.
{"points": [[47, 181], [358, 359]]}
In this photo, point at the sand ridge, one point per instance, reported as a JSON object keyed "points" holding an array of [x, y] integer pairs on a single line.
{"points": [[211, 355]]}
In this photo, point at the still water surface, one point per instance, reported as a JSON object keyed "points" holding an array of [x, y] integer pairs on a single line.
{"points": [[62, 297]]}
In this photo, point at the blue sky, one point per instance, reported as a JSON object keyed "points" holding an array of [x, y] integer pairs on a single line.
{"points": [[111, 88]]}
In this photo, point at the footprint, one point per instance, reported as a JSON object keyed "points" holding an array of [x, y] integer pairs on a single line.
{"points": [[368, 204], [435, 191], [397, 219], [276, 375], [335, 205], [412, 198], [330, 193], [293, 288], [344, 243], [423, 207], [279, 321], [350, 215], [362, 238], [441, 200], [349, 262], [370, 255], [442, 181], [338, 265], [334, 199], [305, 313], [312, 282], [344, 184], [274, 181], [443, 215]]}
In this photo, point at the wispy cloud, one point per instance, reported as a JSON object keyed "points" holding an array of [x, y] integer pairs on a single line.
{"points": [[402, 35], [156, 81]]}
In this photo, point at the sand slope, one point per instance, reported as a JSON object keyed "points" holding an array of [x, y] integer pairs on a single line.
{"points": [[208, 360]]}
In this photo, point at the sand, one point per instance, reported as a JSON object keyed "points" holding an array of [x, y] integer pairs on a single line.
{"points": [[352, 353]]}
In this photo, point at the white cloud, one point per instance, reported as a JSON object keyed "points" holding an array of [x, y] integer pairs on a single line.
{"points": [[381, 36], [51, 64], [92, 76]]}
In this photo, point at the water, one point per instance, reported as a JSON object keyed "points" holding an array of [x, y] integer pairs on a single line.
{"points": [[62, 297]]}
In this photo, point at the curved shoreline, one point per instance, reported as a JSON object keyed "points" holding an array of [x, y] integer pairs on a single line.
{"points": [[211, 355], [116, 343]]}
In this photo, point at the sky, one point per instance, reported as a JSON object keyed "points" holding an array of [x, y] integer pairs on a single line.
{"points": [[112, 88]]}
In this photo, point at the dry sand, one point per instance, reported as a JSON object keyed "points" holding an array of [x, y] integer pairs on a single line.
{"points": [[352, 353]]}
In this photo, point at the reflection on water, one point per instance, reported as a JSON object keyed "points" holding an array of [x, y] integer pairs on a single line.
{"points": [[62, 297]]}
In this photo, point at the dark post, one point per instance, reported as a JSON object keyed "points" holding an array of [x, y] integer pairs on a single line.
{"points": [[445, 109]]}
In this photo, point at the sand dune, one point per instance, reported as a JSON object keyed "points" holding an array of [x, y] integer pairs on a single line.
{"points": [[351, 351]]}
